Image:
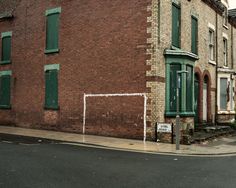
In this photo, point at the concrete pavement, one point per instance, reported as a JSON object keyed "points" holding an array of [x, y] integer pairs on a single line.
{"points": [[217, 147]]}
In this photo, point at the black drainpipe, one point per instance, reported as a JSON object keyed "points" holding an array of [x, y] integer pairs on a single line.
{"points": [[232, 47]]}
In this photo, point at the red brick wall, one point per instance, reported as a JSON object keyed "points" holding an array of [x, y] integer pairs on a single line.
{"points": [[99, 53]]}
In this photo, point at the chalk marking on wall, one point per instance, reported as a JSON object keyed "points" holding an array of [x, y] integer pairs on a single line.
{"points": [[119, 95]]}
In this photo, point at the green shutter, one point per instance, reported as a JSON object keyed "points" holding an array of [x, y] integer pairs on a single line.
{"points": [[194, 35], [173, 83], [5, 91], [52, 32], [175, 26], [6, 49], [189, 88], [51, 89]]}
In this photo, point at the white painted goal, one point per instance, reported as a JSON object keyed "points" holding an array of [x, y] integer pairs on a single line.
{"points": [[118, 95]]}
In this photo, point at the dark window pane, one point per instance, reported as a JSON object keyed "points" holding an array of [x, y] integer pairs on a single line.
{"points": [[173, 79]]}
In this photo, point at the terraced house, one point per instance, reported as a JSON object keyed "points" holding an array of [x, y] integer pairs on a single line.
{"points": [[110, 67]]}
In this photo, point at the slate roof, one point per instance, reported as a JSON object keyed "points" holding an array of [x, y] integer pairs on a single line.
{"points": [[232, 13], [217, 5], [232, 17]]}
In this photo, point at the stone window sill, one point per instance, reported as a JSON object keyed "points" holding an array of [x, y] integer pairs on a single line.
{"points": [[50, 51], [183, 114], [212, 62], [5, 62]]}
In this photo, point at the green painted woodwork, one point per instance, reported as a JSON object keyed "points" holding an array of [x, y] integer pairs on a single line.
{"points": [[7, 72], [175, 25], [180, 54], [6, 50], [167, 98], [51, 51], [52, 33], [174, 67], [53, 11], [5, 91], [183, 89], [6, 34], [52, 67], [51, 89], [182, 114], [194, 35], [189, 92], [179, 60]]}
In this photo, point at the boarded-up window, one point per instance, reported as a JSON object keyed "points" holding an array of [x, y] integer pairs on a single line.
{"points": [[51, 89], [5, 91], [175, 25], [6, 48], [223, 93], [194, 35], [52, 30]]}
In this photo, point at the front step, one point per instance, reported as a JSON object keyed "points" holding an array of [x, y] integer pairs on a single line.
{"points": [[210, 132]]}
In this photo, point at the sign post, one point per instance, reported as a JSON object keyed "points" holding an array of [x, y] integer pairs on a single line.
{"points": [[177, 128]]}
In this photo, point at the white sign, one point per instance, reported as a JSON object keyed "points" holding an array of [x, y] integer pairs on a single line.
{"points": [[164, 128]]}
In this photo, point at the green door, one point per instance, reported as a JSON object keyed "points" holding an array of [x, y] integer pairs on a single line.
{"points": [[196, 95]]}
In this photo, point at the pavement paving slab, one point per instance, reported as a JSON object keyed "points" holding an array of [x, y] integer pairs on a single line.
{"points": [[218, 147]]}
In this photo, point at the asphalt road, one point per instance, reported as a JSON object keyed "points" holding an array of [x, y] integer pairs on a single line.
{"points": [[49, 165]]}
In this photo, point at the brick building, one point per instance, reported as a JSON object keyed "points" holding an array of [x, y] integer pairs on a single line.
{"points": [[109, 67]]}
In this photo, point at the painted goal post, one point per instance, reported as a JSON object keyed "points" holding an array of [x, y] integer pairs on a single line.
{"points": [[119, 95]]}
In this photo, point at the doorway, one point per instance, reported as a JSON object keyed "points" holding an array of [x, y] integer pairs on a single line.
{"points": [[196, 98], [205, 94]]}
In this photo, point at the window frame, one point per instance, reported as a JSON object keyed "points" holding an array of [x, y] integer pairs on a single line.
{"points": [[225, 93], [183, 62], [230, 85], [231, 94], [211, 45], [225, 51], [225, 17]]}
